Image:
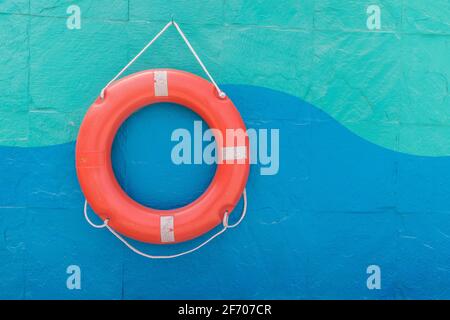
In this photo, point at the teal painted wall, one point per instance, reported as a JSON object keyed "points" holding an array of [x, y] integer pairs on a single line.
{"points": [[341, 201], [389, 86]]}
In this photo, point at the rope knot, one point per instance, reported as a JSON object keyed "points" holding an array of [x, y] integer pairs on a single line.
{"points": [[225, 219]]}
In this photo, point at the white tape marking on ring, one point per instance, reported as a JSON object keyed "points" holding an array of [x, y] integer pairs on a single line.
{"points": [[234, 153], [161, 88], [167, 230]]}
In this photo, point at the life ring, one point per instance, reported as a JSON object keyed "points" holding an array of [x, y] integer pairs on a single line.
{"points": [[95, 172]]}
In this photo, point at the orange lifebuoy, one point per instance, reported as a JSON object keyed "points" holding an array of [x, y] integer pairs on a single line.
{"points": [[96, 176]]}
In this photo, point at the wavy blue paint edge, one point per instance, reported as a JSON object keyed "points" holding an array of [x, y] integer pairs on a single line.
{"points": [[338, 204]]}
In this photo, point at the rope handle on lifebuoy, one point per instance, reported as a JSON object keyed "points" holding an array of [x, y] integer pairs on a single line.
{"points": [[222, 94], [225, 225]]}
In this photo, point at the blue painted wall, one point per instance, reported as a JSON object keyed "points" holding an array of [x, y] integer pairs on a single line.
{"points": [[337, 205]]}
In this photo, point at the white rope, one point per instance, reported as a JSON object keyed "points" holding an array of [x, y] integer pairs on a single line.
{"points": [[102, 94], [146, 255], [97, 226], [222, 94], [244, 211]]}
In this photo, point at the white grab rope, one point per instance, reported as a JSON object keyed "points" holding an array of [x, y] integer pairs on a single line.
{"points": [[97, 226], [145, 255], [222, 94]]}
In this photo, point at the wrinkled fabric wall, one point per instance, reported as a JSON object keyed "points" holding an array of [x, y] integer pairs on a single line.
{"points": [[363, 155], [370, 80]]}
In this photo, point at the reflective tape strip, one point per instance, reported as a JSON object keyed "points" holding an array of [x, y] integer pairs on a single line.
{"points": [[234, 153], [161, 88], [167, 231]]}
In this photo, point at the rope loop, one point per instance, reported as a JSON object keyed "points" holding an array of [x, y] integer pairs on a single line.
{"points": [[222, 95], [225, 220], [97, 226], [225, 225]]}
